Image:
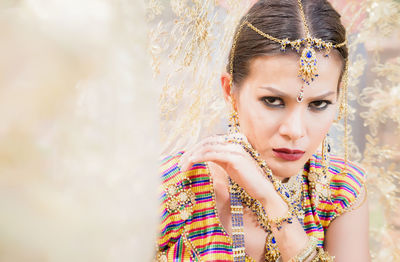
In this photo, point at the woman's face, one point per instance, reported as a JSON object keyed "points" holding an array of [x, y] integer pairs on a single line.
{"points": [[285, 132]]}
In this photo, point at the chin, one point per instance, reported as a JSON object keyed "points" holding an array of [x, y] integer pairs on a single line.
{"points": [[286, 169]]}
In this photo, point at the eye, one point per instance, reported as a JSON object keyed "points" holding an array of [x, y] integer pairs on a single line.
{"points": [[272, 101], [320, 105]]}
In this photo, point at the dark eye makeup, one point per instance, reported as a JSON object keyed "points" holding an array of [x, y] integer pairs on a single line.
{"points": [[272, 101], [277, 102], [319, 105]]}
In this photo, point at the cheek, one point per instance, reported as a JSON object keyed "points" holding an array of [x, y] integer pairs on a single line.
{"points": [[318, 127], [256, 122], [251, 120]]}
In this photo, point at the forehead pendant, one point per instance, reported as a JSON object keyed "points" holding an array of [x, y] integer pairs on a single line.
{"points": [[308, 64], [308, 68], [308, 58], [300, 96]]}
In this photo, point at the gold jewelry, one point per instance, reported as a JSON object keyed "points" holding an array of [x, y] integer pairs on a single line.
{"points": [[234, 126], [323, 256], [253, 204], [300, 96], [307, 251], [308, 59], [259, 210], [325, 159], [320, 180], [180, 199], [320, 186], [271, 249], [232, 54], [278, 221], [291, 196], [161, 256], [345, 105], [308, 66], [238, 249]]}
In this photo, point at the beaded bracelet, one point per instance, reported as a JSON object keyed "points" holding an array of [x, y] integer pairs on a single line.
{"points": [[280, 220], [307, 251]]}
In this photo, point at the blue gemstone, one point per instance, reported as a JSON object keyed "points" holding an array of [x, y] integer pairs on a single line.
{"points": [[309, 54], [287, 194], [273, 240]]}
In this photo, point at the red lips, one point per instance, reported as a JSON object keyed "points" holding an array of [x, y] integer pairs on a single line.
{"points": [[288, 154]]}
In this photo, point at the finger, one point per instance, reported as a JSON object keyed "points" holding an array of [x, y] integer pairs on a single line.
{"points": [[203, 153], [206, 145], [185, 162], [226, 160], [221, 158]]}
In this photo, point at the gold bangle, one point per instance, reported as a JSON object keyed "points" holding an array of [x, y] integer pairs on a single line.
{"points": [[323, 256], [307, 251]]}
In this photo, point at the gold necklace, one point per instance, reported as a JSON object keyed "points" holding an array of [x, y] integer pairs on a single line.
{"points": [[290, 193]]}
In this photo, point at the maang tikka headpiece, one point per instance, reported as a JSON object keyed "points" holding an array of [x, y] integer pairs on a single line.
{"points": [[308, 65], [308, 59]]}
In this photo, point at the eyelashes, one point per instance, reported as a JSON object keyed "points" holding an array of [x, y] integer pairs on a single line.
{"points": [[277, 102], [320, 105], [273, 102]]}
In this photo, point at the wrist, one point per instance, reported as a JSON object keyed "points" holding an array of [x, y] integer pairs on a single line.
{"points": [[271, 198], [269, 194], [274, 205]]}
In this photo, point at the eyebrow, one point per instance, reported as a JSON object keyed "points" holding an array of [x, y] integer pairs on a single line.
{"points": [[282, 94]]}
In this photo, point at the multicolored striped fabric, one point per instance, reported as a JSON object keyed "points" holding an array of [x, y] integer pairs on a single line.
{"points": [[201, 237]]}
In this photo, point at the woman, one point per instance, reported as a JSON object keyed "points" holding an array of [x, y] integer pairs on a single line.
{"points": [[262, 192]]}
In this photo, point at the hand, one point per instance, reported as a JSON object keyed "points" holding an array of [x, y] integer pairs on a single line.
{"points": [[238, 164]]}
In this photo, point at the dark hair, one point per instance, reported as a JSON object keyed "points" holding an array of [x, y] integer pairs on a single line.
{"points": [[282, 19]]}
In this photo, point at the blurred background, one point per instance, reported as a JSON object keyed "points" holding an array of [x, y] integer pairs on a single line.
{"points": [[78, 132], [91, 92]]}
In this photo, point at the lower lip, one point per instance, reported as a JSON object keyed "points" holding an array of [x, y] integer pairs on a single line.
{"points": [[287, 156]]}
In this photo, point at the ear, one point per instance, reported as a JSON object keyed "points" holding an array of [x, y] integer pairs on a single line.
{"points": [[226, 87]]}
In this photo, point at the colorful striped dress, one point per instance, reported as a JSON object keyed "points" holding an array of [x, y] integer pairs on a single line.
{"points": [[190, 229]]}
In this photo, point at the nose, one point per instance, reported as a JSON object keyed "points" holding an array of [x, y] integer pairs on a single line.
{"points": [[293, 124]]}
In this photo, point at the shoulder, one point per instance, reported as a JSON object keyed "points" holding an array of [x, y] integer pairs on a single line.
{"points": [[178, 195], [346, 185], [348, 178], [169, 169], [172, 176]]}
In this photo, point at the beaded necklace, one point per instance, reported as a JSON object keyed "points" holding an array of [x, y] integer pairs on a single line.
{"points": [[290, 193], [239, 254]]}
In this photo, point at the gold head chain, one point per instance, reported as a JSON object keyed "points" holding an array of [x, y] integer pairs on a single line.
{"points": [[308, 59], [308, 64]]}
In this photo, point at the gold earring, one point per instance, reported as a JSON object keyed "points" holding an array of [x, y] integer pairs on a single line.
{"points": [[234, 126], [343, 113], [326, 149], [320, 179]]}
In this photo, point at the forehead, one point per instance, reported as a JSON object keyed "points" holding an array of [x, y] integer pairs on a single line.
{"points": [[282, 71]]}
